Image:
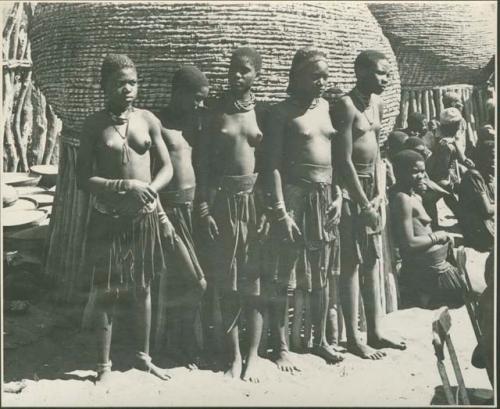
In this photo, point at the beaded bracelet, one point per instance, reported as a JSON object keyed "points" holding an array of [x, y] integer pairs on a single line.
{"points": [[116, 185], [203, 210], [162, 217], [433, 237]]}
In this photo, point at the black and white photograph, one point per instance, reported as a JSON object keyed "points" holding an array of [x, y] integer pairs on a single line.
{"points": [[249, 203]]}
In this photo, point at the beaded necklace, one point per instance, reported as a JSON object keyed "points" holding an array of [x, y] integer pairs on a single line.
{"points": [[244, 105], [122, 119], [367, 106]]}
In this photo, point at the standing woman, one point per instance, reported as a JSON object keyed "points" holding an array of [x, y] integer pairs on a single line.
{"points": [[305, 201], [228, 159], [117, 146], [182, 288]]}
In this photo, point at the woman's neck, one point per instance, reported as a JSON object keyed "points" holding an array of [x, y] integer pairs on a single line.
{"points": [[363, 95], [241, 96]]}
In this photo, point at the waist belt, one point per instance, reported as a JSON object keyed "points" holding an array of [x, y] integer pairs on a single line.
{"points": [[308, 173], [105, 208], [181, 196], [238, 184], [365, 169]]}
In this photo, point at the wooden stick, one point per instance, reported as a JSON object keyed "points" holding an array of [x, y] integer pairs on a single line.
{"points": [[7, 31], [432, 105], [462, 391], [21, 142], [53, 133], [11, 158], [27, 120], [418, 95], [405, 96], [15, 37], [39, 127], [446, 383]]}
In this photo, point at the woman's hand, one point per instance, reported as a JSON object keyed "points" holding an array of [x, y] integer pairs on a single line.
{"points": [[333, 213], [167, 232], [140, 190], [210, 226], [290, 228], [263, 228]]}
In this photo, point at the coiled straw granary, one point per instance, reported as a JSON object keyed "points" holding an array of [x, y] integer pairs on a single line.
{"points": [[70, 40]]}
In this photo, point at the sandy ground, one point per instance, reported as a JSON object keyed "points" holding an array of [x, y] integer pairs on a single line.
{"points": [[55, 360]]}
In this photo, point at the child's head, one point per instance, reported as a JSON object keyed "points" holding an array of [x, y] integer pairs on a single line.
{"points": [[189, 88], [119, 79], [416, 144], [395, 143], [418, 123], [308, 73], [244, 67]]}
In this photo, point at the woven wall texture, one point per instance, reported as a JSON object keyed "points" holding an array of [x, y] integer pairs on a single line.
{"points": [[70, 41], [439, 44]]}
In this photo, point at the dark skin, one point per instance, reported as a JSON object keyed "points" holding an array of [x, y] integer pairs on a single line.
{"points": [[358, 121], [234, 138], [101, 143], [299, 135], [413, 223], [183, 178]]}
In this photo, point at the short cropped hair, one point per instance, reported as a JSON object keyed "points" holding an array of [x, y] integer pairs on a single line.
{"points": [[251, 53], [113, 63], [414, 119], [188, 78], [367, 59], [302, 58], [404, 161]]}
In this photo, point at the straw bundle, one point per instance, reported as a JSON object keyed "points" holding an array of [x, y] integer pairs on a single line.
{"points": [[25, 135], [439, 43], [70, 40]]}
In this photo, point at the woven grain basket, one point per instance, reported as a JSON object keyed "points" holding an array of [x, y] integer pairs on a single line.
{"points": [[69, 42], [439, 44]]}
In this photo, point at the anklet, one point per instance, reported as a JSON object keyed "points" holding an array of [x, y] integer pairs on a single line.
{"points": [[104, 367]]}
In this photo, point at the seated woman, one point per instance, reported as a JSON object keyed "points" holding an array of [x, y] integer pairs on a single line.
{"points": [[427, 278], [434, 191]]}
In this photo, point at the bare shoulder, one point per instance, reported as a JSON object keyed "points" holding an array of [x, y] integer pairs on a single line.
{"points": [[148, 116], [343, 104], [401, 201], [377, 99], [173, 139]]}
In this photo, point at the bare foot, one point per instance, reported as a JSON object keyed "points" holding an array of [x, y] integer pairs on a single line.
{"points": [[104, 374], [285, 362], [338, 348], [197, 362], [252, 372], [326, 352], [384, 342], [364, 351], [234, 370], [104, 379], [144, 364]]}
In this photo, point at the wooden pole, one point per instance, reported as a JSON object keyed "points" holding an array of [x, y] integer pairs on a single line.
{"points": [[21, 141], [53, 132], [11, 157], [39, 136]]}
